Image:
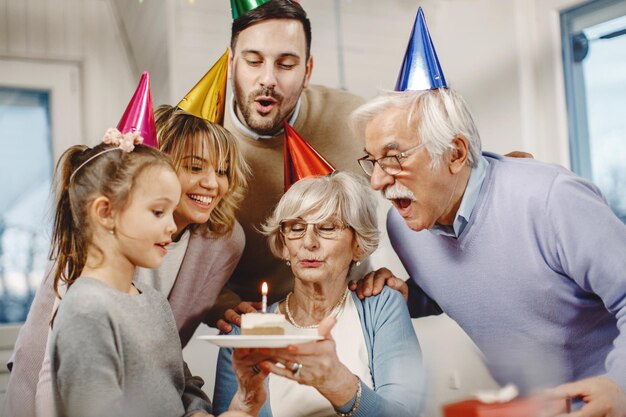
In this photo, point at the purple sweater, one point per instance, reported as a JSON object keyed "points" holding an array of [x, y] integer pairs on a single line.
{"points": [[537, 278]]}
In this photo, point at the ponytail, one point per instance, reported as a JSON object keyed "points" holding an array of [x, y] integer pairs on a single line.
{"points": [[67, 248]]}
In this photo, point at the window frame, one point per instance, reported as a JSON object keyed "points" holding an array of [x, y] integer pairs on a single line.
{"points": [[574, 20], [61, 79]]}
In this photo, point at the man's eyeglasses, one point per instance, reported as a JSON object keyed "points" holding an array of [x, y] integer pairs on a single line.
{"points": [[296, 228], [390, 164]]}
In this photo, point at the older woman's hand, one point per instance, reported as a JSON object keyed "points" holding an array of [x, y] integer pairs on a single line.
{"points": [[316, 364], [250, 372]]}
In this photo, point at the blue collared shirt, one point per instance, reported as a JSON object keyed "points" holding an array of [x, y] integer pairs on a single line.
{"points": [[248, 132], [477, 176]]}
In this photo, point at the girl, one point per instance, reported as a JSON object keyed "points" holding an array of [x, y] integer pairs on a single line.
{"points": [[114, 346], [206, 247]]}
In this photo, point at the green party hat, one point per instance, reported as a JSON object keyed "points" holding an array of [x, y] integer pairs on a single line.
{"points": [[241, 7]]}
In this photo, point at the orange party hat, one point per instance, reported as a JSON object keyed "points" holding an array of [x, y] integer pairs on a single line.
{"points": [[301, 160]]}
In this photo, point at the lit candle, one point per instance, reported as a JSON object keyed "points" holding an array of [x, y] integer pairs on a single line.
{"points": [[264, 299]]}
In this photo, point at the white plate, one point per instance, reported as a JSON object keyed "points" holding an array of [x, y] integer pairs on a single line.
{"points": [[258, 341]]}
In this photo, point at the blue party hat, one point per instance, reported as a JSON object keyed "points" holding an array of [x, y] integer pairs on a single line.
{"points": [[420, 68]]}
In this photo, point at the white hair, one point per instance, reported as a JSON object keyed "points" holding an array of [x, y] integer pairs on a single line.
{"points": [[341, 194], [437, 117]]}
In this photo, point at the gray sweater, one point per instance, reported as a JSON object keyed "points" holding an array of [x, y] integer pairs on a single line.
{"points": [[115, 354]]}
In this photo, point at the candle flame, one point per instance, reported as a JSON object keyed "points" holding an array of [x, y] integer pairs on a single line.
{"points": [[264, 288]]}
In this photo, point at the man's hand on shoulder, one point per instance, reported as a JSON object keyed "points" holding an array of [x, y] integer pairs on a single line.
{"points": [[373, 283], [602, 397], [233, 315], [520, 154]]}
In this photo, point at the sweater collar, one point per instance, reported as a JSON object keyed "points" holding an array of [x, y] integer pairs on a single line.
{"points": [[239, 125], [477, 176]]}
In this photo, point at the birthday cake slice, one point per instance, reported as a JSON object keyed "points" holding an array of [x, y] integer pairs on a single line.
{"points": [[263, 324]]}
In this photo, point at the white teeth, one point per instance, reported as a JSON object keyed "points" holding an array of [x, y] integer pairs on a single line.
{"points": [[201, 198]]}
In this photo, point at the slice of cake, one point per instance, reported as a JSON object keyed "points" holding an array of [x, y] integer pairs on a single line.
{"points": [[263, 323]]}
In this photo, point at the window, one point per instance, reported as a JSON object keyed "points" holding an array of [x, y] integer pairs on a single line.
{"points": [[594, 52], [26, 165]]}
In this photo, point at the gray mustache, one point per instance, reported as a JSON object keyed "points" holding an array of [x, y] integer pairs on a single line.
{"points": [[398, 191]]}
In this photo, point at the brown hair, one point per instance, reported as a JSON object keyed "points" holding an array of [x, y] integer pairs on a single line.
{"points": [[181, 134], [81, 175]]}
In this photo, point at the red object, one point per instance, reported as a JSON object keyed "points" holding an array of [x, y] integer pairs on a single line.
{"points": [[301, 160], [520, 407]]}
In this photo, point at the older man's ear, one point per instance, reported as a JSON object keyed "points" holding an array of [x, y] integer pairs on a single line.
{"points": [[459, 154]]}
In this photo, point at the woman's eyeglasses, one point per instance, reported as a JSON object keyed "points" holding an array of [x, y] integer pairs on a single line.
{"points": [[296, 228]]}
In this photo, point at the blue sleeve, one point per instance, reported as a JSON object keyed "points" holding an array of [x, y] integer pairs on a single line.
{"points": [[589, 246], [396, 358], [226, 382], [225, 379]]}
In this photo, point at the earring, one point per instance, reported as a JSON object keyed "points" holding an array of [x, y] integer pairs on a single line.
{"points": [[288, 263], [112, 231], [358, 263]]}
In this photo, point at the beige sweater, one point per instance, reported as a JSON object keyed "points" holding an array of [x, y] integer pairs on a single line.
{"points": [[323, 122]]}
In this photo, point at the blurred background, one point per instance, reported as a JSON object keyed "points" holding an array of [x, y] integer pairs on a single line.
{"points": [[542, 76]]}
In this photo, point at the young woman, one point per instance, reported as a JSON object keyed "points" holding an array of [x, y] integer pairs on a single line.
{"points": [[114, 347], [206, 247]]}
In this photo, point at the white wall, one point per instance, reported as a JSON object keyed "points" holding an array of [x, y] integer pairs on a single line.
{"points": [[502, 55], [74, 49], [82, 32]]}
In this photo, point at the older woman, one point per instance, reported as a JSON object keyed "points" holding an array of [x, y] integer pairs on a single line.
{"points": [[369, 364]]}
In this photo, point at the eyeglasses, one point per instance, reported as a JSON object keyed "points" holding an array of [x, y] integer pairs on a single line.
{"points": [[390, 164], [296, 228]]}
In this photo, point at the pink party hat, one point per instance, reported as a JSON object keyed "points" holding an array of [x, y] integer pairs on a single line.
{"points": [[139, 115]]}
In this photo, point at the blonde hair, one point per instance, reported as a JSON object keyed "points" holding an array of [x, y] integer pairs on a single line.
{"points": [[341, 194], [180, 134]]}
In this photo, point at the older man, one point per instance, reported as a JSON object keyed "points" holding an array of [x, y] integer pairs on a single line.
{"points": [[527, 257]]}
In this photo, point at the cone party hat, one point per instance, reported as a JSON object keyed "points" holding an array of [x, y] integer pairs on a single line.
{"points": [[301, 160], [207, 99], [420, 68], [241, 7], [139, 115]]}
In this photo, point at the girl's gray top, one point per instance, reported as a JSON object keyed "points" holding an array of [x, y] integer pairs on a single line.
{"points": [[114, 354]]}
